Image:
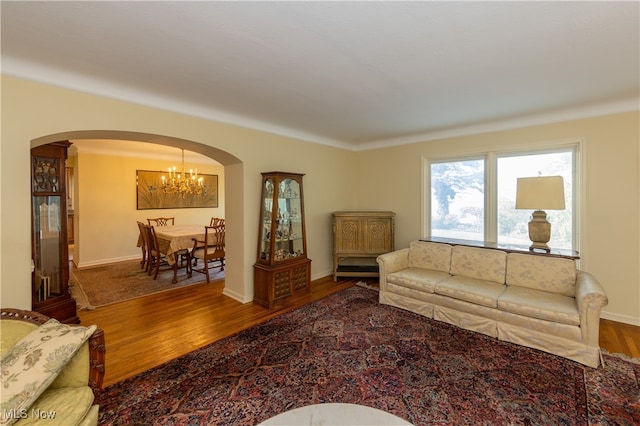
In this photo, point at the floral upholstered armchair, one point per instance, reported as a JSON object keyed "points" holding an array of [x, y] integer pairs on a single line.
{"points": [[50, 371]]}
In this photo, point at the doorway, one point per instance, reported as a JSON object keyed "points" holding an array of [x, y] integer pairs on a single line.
{"points": [[237, 285]]}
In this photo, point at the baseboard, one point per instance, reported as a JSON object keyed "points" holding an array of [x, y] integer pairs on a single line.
{"points": [[321, 275], [235, 296], [620, 318], [105, 261]]}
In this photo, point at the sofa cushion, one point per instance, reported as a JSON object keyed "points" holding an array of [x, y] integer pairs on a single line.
{"points": [[417, 278], [551, 274], [75, 373], [539, 304], [479, 263], [62, 406], [33, 363], [473, 290], [427, 255]]}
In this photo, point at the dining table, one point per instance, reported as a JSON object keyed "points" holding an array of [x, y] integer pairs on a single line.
{"points": [[174, 238]]}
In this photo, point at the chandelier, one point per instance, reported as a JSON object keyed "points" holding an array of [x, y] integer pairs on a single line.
{"points": [[182, 183]]}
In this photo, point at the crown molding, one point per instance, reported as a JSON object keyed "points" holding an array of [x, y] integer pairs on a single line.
{"points": [[583, 112], [86, 84]]}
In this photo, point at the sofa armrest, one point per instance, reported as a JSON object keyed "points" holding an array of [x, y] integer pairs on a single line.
{"points": [[392, 262], [590, 298], [97, 350]]}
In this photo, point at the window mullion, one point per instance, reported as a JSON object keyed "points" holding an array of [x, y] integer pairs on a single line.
{"points": [[491, 199]]}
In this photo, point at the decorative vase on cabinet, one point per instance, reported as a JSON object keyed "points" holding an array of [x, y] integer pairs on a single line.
{"points": [[50, 250], [282, 269]]}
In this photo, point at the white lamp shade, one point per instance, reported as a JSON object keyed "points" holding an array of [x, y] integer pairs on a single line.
{"points": [[540, 193]]}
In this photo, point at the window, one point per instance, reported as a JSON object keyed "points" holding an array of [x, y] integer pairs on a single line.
{"points": [[512, 223], [457, 199], [474, 198]]}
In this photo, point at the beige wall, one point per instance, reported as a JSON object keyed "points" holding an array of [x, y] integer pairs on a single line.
{"points": [[610, 229], [32, 111], [383, 179]]}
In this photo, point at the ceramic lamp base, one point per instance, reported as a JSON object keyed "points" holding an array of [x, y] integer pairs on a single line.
{"points": [[539, 231]]}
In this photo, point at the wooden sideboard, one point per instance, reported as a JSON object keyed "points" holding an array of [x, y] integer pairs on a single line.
{"points": [[359, 237]]}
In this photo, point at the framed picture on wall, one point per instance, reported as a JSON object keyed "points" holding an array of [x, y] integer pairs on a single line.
{"points": [[154, 192]]}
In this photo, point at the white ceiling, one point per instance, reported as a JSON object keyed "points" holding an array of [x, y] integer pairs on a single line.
{"points": [[351, 74]]}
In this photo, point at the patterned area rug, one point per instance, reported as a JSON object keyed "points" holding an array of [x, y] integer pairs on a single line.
{"points": [[117, 282], [348, 348]]}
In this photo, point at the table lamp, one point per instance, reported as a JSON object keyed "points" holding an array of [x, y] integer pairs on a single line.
{"points": [[538, 193]]}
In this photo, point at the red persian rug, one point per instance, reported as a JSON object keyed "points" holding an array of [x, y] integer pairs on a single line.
{"points": [[348, 348]]}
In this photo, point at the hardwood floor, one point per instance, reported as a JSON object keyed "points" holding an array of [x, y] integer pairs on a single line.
{"points": [[146, 332], [617, 337]]}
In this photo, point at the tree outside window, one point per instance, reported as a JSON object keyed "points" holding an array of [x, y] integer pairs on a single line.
{"points": [[457, 199]]}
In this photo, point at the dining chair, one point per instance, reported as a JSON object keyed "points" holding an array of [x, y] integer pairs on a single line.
{"points": [[142, 243], [211, 250], [156, 258], [162, 221], [215, 221]]}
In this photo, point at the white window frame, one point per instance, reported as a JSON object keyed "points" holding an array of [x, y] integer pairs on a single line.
{"points": [[491, 184]]}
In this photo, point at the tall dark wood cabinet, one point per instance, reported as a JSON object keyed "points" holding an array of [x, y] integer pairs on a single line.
{"points": [[282, 269], [50, 249]]}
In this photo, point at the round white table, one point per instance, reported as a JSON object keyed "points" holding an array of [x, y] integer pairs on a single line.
{"points": [[335, 414]]}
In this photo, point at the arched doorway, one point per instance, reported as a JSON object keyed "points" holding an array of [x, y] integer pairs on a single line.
{"points": [[237, 285]]}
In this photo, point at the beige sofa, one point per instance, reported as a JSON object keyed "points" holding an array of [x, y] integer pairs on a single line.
{"points": [[538, 301], [67, 397]]}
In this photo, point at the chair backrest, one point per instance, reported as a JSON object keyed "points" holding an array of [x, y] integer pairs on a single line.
{"points": [[152, 238], [214, 241], [143, 234], [161, 221], [215, 221]]}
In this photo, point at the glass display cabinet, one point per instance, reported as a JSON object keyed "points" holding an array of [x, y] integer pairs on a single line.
{"points": [[282, 269], [50, 250]]}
